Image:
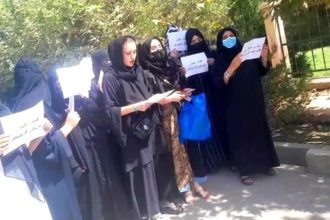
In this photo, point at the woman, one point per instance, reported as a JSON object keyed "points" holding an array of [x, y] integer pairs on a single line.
{"points": [[85, 141], [206, 155], [163, 77], [115, 201], [243, 104], [128, 106], [20, 193], [53, 158]]}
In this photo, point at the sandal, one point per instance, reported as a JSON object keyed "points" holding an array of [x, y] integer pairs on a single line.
{"points": [[202, 193], [171, 208], [246, 180], [189, 198]]}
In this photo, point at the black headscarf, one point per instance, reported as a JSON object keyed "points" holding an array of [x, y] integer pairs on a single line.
{"points": [[227, 54], [30, 88], [133, 82], [199, 47], [99, 59], [158, 67]]}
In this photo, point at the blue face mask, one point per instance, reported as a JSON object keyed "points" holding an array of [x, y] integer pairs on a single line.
{"points": [[230, 42]]}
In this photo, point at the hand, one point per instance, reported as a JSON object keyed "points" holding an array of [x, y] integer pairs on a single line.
{"points": [[226, 77], [47, 126], [174, 54], [175, 97], [187, 92], [4, 142], [210, 61], [72, 119]]}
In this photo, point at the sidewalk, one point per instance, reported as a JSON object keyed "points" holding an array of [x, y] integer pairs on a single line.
{"points": [[293, 194]]}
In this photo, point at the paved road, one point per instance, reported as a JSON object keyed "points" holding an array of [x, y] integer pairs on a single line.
{"points": [[293, 194]]}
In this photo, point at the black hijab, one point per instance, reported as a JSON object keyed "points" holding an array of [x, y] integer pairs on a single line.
{"points": [[30, 88], [227, 54], [134, 84], [199, 47], [100, 59], [158, 67]]}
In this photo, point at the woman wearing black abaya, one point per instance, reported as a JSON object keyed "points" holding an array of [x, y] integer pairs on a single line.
{"points": [[244, 114], [85, 141], [107, 147], [205, 156], [171, 160], [53, 158], [19, 185], [128, 105]]}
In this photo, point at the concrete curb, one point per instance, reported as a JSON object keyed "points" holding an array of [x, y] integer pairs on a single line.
{"points": [[316, 158]]}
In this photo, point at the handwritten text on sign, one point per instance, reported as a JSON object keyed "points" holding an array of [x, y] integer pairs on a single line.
{"points": [[23, 127], [177, 40], [195, 64], [252, 49]]}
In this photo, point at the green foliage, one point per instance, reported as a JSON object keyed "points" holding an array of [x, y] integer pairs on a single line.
{"points": [[247, 18], [63, 31], [287, 97]]}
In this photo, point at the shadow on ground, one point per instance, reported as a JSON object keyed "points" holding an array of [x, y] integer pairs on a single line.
{"points": [[291, 195]]}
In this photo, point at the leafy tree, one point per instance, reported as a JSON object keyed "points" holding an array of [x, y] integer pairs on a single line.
{"points": [[62, 31]]}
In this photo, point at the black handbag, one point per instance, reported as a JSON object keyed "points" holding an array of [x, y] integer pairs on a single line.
{"points": [[143, 127]]}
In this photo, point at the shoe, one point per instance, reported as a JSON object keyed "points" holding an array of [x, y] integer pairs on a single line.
{"points": [[246, 180], [271, 172]]}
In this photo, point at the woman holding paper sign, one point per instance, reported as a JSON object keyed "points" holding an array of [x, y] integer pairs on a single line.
{"points": [[128, 103], [20, 192], [205, 154], [84, 142], [53, 158], [170, 155], [244, 114]]}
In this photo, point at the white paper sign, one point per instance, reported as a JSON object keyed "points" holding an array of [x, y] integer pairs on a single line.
{"points": [[195, 64], [252, 49], [177, 40], [76, 80], [23, 127], [158, 97]]}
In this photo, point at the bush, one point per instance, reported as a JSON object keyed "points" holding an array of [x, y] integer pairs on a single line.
{"points": [[286, 96]]}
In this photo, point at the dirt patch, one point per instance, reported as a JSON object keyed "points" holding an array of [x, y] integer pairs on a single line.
{"points": [[303, 133]]}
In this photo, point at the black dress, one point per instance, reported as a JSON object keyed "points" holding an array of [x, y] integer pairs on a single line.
{"points": [[89, 175], [245, 121], [162, 76], [123, 86], [53, 157], [205, 156]]}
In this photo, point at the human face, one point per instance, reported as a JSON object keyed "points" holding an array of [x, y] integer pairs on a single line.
{"points": [[227, 34], [195, 39], [155, 45], [129, 53]]}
